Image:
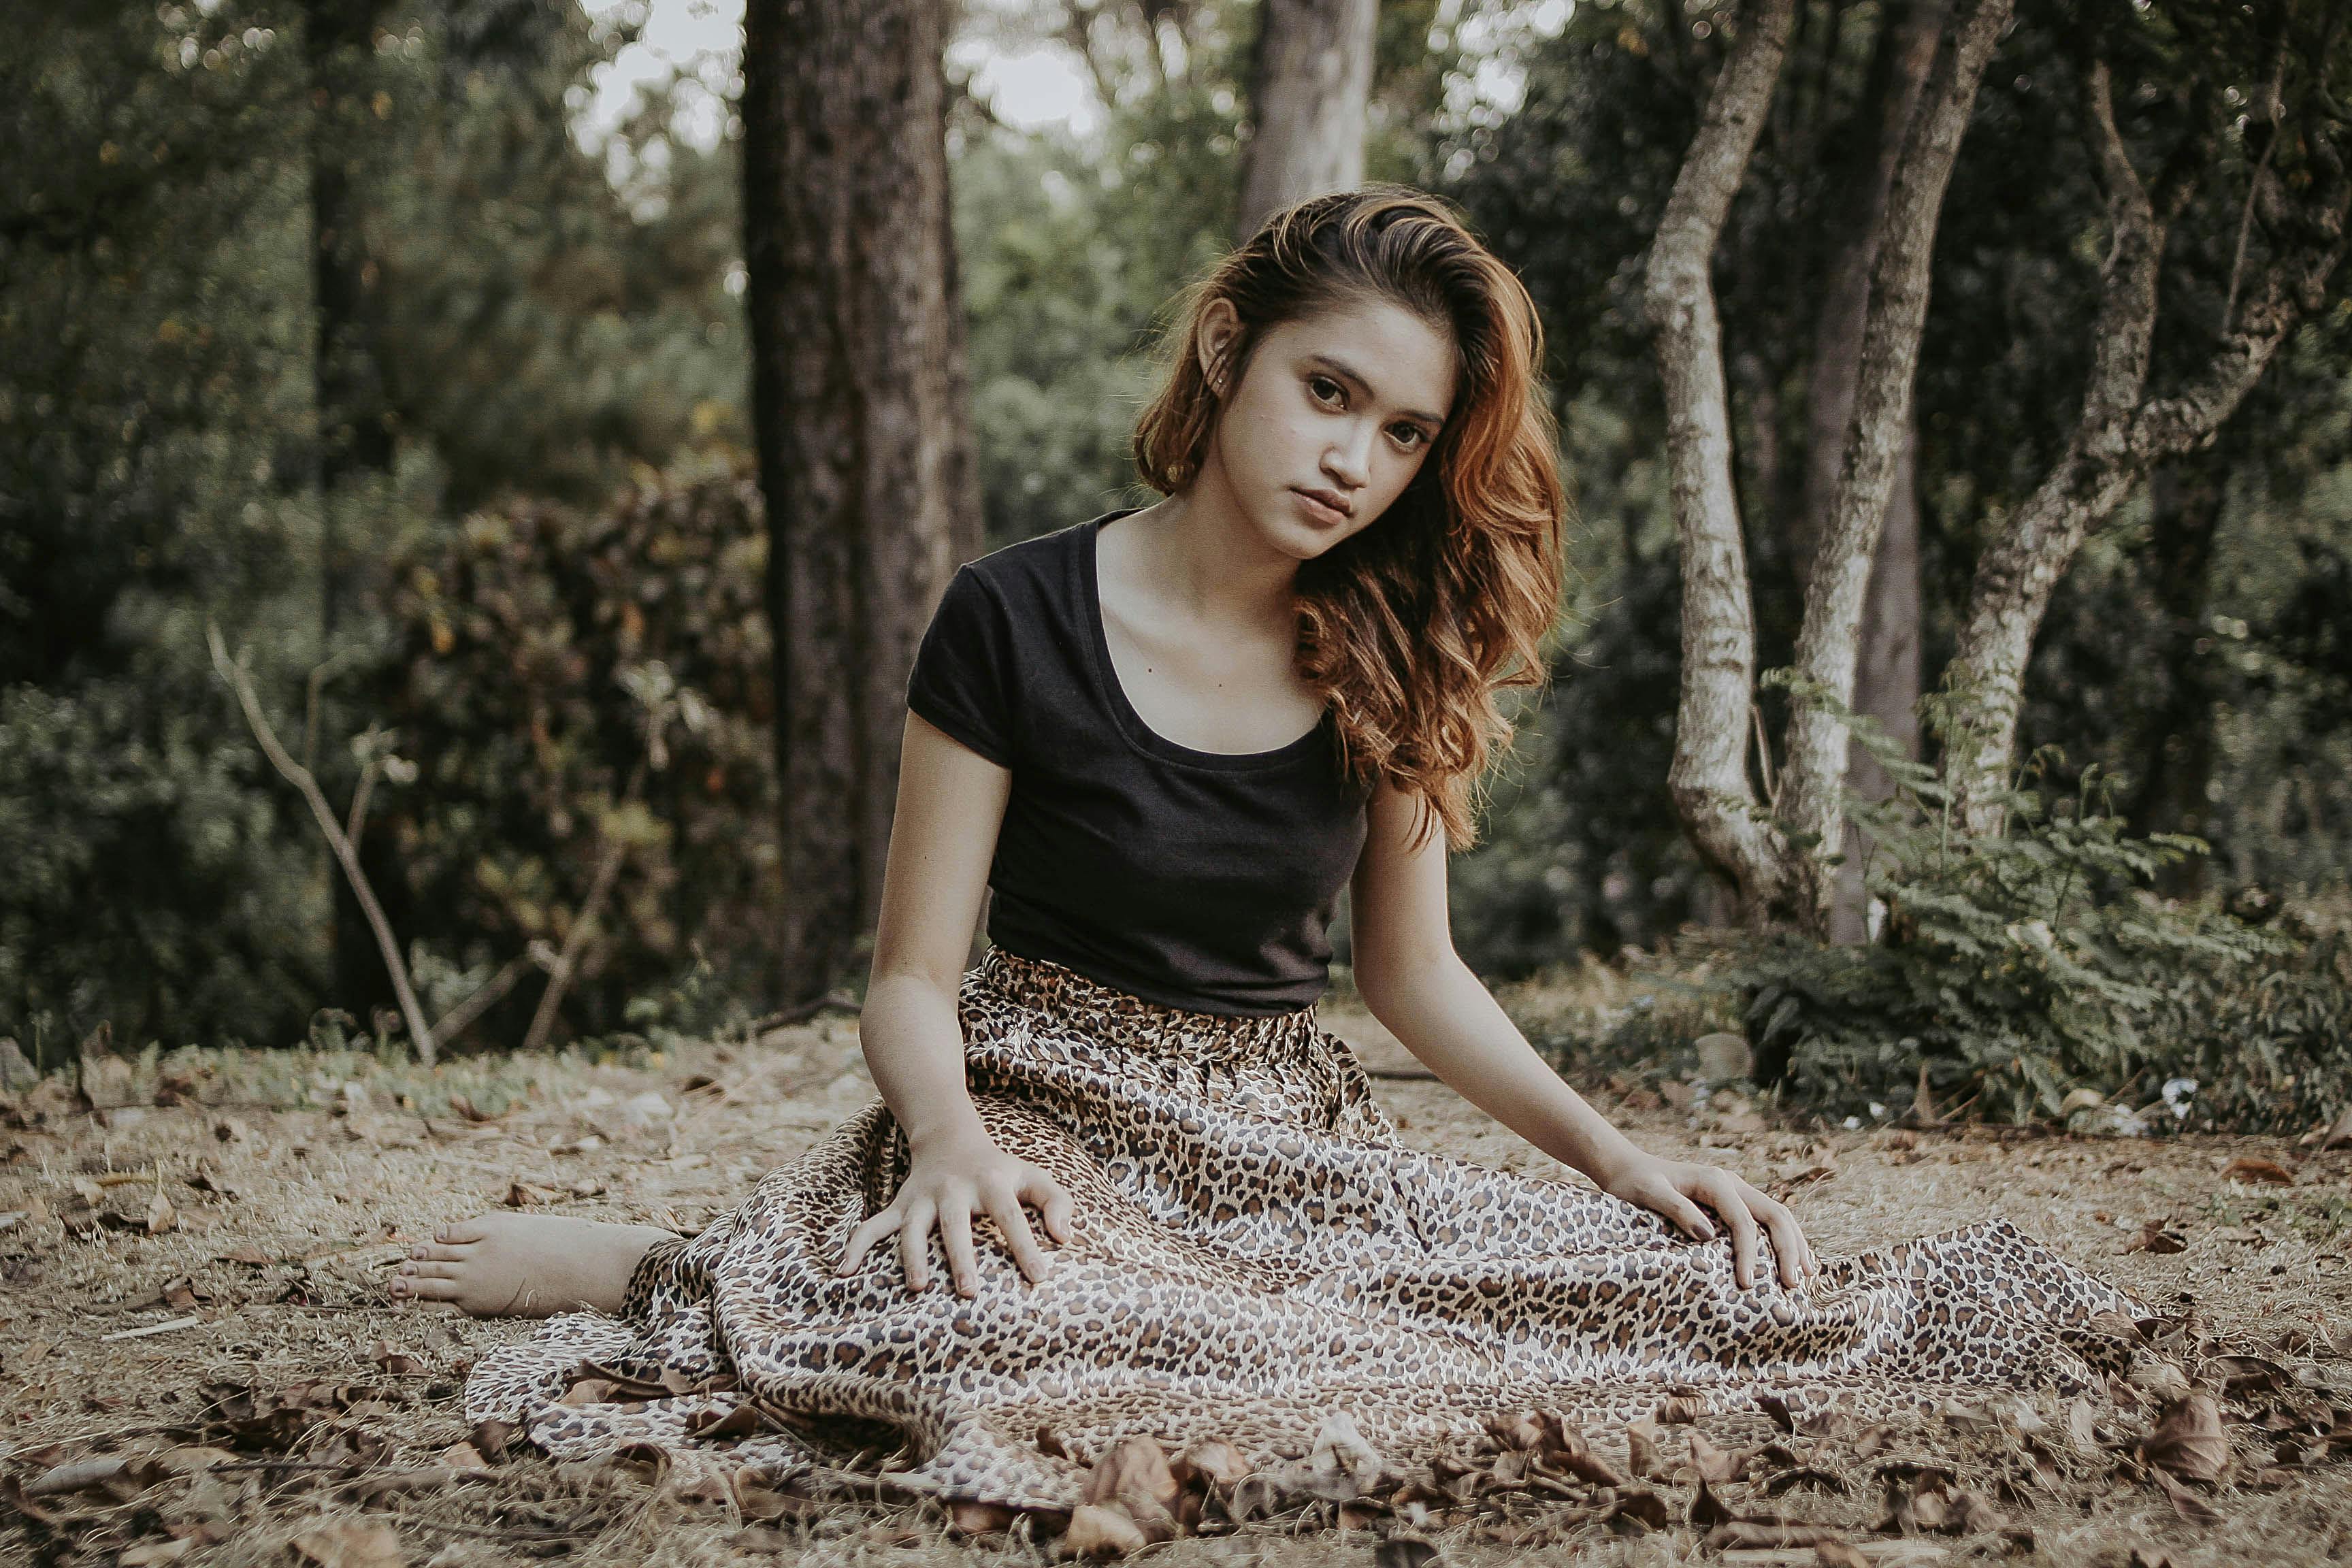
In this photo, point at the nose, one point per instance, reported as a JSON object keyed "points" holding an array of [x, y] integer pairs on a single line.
{"points": [[1349, 461]]}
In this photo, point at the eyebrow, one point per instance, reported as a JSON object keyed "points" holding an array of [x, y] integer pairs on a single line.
{"points": [[1347, 371]]}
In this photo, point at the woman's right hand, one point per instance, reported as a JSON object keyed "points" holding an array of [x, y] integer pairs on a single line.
{"points": [[950, 1183]]}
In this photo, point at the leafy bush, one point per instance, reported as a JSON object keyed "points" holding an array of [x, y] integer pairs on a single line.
{"points": [[2011, 970], [570, 683]]}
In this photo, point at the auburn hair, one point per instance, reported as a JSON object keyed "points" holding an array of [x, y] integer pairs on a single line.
{"points": [[1409, 626]]}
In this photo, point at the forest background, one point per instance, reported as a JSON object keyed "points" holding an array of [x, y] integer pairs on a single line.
{"points": [[367, 350]]}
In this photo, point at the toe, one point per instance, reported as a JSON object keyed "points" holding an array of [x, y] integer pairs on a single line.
{"points": [[465, 1232], [433, 1270], [436, 1252], [431, 1289]]}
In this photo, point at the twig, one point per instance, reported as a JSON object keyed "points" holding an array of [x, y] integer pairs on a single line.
{"points": [[151, 1328], [300, 777], [558, 977], [483, 997], [2272, 111], [802, 1010], [358, 819]]}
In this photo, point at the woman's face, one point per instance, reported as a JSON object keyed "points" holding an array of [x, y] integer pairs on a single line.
{"points": [[1332, 416]]}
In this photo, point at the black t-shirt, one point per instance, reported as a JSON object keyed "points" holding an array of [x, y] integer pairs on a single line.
{"points": [[1198, 879]]}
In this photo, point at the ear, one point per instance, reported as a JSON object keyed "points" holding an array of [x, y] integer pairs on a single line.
{"points": [[1221, 329]]}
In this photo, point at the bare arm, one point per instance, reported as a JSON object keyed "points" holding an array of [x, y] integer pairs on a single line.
{"points": [[1418, 986], [950, 806]]}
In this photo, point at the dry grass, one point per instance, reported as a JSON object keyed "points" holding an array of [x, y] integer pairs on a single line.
{"points": [[272, 1158]]}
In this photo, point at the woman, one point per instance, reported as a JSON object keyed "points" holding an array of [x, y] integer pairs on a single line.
{"points": [[1166, 738]]}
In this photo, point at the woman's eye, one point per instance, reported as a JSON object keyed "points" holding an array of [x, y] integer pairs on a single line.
{"points": [[1410, 436], [1326, 390]]}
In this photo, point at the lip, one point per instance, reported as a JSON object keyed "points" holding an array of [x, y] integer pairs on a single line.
{"points": [[1328, 506]]}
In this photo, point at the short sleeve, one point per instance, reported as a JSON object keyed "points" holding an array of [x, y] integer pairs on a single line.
{"points": [[962, 679]]}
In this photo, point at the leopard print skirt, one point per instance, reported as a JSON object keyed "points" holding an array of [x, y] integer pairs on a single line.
{"points": [[1255, 1249]]}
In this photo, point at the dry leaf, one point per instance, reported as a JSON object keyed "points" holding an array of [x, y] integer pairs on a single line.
{"points": [[2339, 1136], [155, 1553], [2192, 1508], [1642, 1449], [161, 1216], [1711, 1462], [1520, 1431], [463, 1457], [1134, 1475], [2255, 1168], [1209, 1461], [1101, 1532], [2188, 1441], [1838, 1553], [2161, 1378], [1049, 1443], [1767, 1533], [1638, 1505], [2154, 1238], [348, 1543], [1678, 1410], [490, 1438], [2081, 1427]]}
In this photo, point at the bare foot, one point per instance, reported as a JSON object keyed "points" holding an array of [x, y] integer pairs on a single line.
{"points": [[526, 1266]]}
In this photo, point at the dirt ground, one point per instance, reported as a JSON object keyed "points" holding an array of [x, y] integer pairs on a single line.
{"points": [[156, 1258]]}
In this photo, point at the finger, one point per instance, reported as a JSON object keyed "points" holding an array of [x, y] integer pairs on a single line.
{"points": [[1725, 1195], [1052, 1203], [1685, 1213], [915, 1243], [955, 1235], [876, 1227], [1019, 1239], [1787, 1241]]}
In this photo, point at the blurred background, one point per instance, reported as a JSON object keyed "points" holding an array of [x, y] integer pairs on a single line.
{"points": [[440, 356]]}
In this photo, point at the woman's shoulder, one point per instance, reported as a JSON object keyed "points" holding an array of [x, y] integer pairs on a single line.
{"points": [[1033, 568]]}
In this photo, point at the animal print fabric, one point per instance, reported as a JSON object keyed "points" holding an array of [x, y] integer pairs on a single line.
{"points": [[1255, 1250]]}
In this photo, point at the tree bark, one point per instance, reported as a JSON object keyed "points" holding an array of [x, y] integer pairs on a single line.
{"points": [[1310, 91], [1877, 431], [863, 440], [1886, 681], [1708, 777], [2120, 432]]}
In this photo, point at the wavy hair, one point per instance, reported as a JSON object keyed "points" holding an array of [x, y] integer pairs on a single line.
{"points": [[1411, 627]]}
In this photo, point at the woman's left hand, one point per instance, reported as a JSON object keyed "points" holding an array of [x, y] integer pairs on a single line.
{"points": [[1676, 1188]]}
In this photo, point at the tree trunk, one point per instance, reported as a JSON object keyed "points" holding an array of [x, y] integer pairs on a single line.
{"points": [[863, 442], [2186, 497], [1886, 681], [1708, 778], [1870, 449], [2119, 433], [1310, 89]]}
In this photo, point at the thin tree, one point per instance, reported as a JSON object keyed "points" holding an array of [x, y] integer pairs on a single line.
{"points": [[862, 438], [1781, 853], [2295, 205], [1310, 91]]}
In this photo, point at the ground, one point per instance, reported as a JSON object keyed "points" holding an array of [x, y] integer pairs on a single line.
{"points": [[222, 1255]]}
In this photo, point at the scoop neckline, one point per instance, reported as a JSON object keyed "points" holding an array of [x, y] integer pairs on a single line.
{"points": [[1131, 723]]}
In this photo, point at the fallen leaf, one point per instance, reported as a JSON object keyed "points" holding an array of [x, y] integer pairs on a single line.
{"points": [[1752, 1533], [1134, 1475], [1520, 1431], [2154, 1239], [395, 1361], [348, 1543], [1210, 1461], [2081, 1427], [523, 1195], [247, 1254], [155, 1553], [1678, 1410], [2256, 1168], [1101, 1534], [1639, 1505], [2192, 1508], [968, 1519], [2339, 1136], [463, 1457], [2161, 1378], [1711, 1462], [181, 1293], [1049, 1443], [1838, 1553], [2189, 1440], [1642, 1449], [490, 1438]]}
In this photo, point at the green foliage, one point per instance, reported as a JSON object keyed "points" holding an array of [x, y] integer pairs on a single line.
{"points": [[568, 680], [2013, 968]]}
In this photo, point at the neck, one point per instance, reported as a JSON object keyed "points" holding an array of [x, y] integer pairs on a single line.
{"points": [[1198, 545]]}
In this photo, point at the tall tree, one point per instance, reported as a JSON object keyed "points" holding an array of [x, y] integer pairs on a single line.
{"points": [[862, 441], [2296, 199], [1310, 87]]}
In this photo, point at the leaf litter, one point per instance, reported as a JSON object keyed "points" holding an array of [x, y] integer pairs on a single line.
{"points": [[350, 1452]]}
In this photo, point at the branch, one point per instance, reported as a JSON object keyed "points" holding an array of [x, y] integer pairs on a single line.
{"points": [[483, 997], [300, 777], [567, 960]]}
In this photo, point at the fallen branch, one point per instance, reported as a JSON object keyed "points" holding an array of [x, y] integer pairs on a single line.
{"points": [[584, 925], [300, 778]]}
